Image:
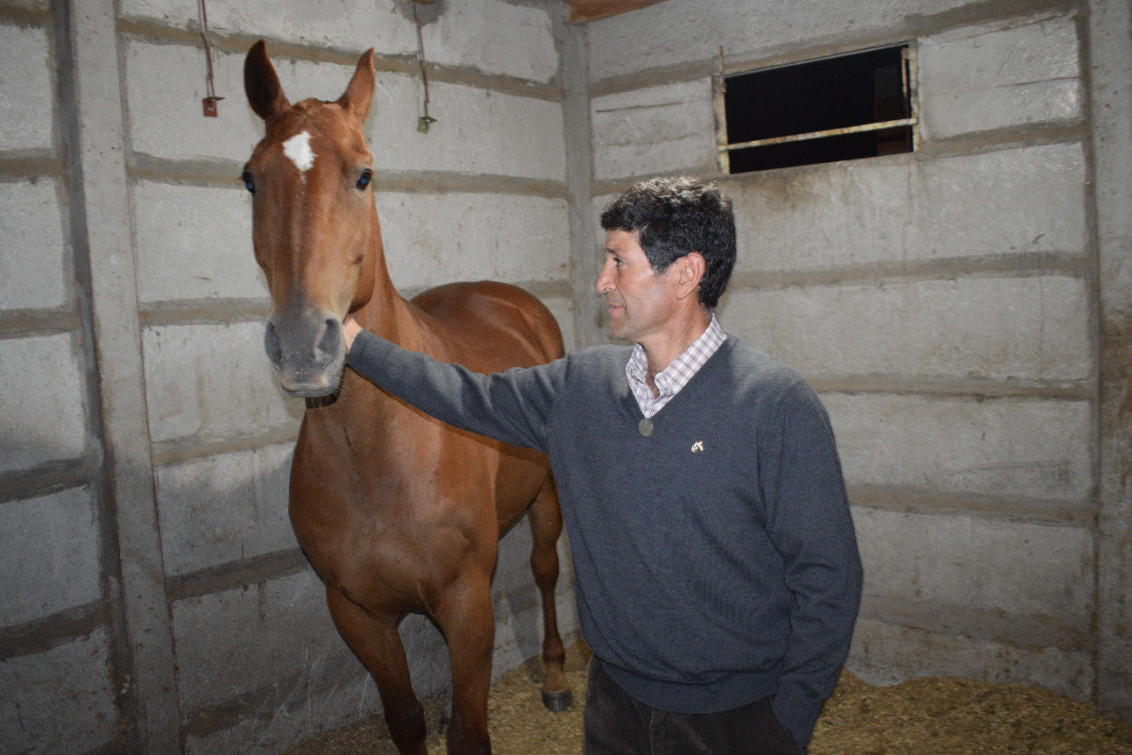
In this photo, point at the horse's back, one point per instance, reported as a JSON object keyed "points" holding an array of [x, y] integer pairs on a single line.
{"points": [[489, 326]]}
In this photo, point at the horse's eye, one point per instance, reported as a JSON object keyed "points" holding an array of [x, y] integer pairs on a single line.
{"points": [[364, 179], [249, 184]]}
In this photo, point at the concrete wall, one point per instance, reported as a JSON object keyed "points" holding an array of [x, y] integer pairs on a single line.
{"points": [[946, 304], [157, 600]]}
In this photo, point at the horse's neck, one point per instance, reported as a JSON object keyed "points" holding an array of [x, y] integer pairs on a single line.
{"points": [[362, 415], [362, 409], [386, 313]]}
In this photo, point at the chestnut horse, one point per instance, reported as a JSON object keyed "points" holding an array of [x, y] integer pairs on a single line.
{"points": [[397, 512]]}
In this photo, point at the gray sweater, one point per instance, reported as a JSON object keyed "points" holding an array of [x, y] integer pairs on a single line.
{"points": [[715, 560]]}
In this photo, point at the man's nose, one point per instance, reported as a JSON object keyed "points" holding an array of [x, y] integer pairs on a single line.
{"points": [[604, 284]]}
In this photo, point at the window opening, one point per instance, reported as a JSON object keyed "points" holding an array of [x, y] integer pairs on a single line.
{"points": [[842, 108]]}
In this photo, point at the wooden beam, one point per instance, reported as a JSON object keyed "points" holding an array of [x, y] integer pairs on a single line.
{"points": [[591, 10]]}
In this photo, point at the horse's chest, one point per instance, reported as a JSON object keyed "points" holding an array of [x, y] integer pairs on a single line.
{"points": [[384, 536], [379, 512], [382, 559]]}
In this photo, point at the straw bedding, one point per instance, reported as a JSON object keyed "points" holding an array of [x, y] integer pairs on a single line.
{"points": [[922, 716]]}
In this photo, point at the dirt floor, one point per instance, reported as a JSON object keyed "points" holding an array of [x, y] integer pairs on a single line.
{"points": [[925, 716]]}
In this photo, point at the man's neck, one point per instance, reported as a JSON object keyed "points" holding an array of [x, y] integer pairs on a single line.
{"points": [[663, 348]]}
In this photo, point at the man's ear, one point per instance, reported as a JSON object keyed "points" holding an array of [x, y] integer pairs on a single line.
{"points": [[689, 272]]}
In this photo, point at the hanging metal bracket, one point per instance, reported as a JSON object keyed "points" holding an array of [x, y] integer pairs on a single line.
{"points": [[209, 102], [425, 120]]}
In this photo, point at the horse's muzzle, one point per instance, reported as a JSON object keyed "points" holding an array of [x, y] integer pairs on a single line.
{"points": [[308, 352]]}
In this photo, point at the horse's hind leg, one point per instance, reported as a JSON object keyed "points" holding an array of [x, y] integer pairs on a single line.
{"points": [[378, 645], [546, 526]]}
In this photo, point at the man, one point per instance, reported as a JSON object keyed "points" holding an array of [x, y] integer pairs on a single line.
{"points": [[715, 562]]}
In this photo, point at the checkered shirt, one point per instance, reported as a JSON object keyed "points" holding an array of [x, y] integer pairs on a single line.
{"points": [[675, 376]]}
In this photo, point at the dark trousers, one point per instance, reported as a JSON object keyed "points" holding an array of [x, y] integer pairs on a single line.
{"points": [[616, 724]]}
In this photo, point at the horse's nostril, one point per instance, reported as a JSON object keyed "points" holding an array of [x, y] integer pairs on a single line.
{"points": [[271, 345], [328, 344]]}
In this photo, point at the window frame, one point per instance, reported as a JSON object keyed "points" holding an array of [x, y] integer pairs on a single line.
{"points": [[910, 74]]}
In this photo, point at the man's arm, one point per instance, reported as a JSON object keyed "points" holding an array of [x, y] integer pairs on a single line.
{"points": [[511, 407], [809, 522]]}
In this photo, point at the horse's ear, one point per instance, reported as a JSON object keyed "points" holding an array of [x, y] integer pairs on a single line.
{"points": [[359, 94], [261, 83]]}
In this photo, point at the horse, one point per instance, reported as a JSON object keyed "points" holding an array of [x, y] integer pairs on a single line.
{"points": [[397, 512]]}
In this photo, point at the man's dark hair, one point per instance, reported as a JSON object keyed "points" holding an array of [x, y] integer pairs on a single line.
{"points": [[676, 216]]}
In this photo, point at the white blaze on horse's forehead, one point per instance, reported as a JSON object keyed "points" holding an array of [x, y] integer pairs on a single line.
{"points": [[298, 149]]}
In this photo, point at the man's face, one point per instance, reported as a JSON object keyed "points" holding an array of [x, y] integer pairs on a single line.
{"points": [[641, 302]]}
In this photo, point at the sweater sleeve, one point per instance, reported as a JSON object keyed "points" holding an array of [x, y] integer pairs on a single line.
{"points": [[809, 522], [511, 406]]}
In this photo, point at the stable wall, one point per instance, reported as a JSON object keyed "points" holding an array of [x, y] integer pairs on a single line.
{"points": [[964, 312], [157, 600], [947, 304]]}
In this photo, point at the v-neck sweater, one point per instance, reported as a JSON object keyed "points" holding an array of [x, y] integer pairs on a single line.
{"points": [[714, 559]]}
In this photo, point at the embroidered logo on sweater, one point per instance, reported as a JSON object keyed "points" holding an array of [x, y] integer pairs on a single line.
{"points": [[698, 447]]}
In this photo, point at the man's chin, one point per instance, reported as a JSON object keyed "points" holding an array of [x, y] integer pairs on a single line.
{"points": [[621, 334]]}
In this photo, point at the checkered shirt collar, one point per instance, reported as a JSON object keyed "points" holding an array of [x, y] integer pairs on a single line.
{"points": [[675, 376]]}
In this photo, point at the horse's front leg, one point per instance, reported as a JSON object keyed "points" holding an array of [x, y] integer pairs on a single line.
{"points": [[466, 616], [378, 644]]}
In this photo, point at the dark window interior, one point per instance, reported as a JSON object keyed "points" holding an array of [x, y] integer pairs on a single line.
{"points": [[822, 95]]}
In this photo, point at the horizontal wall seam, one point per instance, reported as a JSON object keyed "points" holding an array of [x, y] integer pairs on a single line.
{"points": [[994, 625], [678, 73], [236, 574], [46, 479], [226, 174], [908, 499], [23, 323], [29, 163], [49, 632], [203, 312], [11, 15], [976, 143], [988, 11], [227, 311], [203, 172], [1072, 131], [405, 63], [914, 27], [443, 182], [946, 386], [1010, 265], [1067, 131], [181, 450], [265, 702]]}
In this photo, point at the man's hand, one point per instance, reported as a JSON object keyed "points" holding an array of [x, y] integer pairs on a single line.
{"points": [[350, 330]]}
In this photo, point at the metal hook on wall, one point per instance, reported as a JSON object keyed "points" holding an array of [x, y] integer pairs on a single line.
{"points": [[425, 120], [209, 102]]}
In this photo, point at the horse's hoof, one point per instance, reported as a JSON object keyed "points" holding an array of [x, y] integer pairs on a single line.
{"points": [[557, 702]]}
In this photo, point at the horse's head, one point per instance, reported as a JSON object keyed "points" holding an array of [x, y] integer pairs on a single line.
{"points": [[314, 223]]}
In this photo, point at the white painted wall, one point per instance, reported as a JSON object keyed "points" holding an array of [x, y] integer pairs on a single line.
{"points": [[956, 308]]}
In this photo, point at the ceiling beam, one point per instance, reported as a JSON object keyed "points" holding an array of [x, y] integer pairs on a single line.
{"points": [[591, 10]]}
